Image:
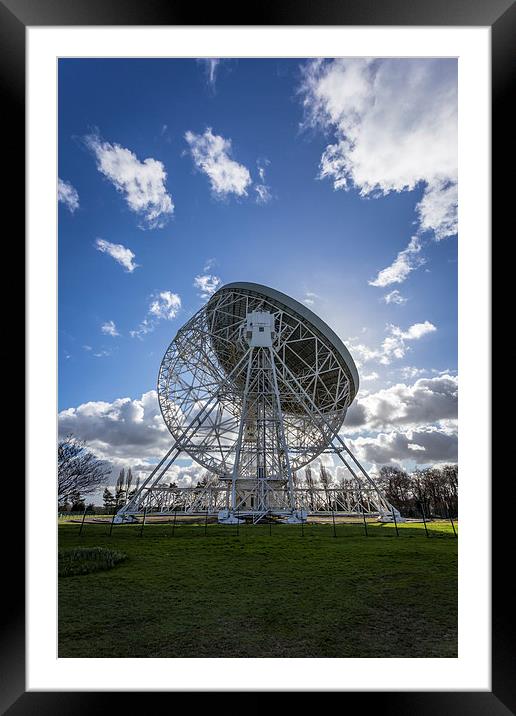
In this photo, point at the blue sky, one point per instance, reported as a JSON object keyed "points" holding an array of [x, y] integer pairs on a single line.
{"points": [[334, 182]]}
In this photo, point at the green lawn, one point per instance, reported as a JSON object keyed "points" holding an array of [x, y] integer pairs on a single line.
{"points": [[259, 594]]}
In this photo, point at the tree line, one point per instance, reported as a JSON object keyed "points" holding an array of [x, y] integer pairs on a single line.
{"points": [[433, 489]]}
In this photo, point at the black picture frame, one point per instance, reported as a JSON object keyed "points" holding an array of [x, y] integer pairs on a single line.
{"points": [[500, 16]]}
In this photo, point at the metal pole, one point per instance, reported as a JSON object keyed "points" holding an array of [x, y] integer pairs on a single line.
{"points": [[112, 521], [143, 521], [451, 519], [363, 513], [206, 523], [393, 510], [424, 518], [174, 522], [243, 418], [302, 528], [82, 523], [333, 517], [282, 430]]}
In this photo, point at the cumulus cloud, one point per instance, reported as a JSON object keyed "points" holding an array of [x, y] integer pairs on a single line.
{"points": [[142, 182], [394, 346], [370, 376], [67, 194], [207, 284], [211, 155], [394, 122], [395, 297], [109, 328], [427, 401], [164, 305], [427, 445], [119, 252], [124, 428], [127, 433], [409, 371], [437, 210], [405, 262]]}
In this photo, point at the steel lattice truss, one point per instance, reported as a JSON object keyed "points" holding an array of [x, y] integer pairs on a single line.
{"points": [[166, 500], [253, 413]]}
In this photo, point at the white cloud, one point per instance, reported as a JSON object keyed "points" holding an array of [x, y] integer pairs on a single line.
{"points": [[413, 372], [119, 252], [211, 65], [127, 433], [394, 346], [426, 445], [438, 210], [211, 155], [109, 328], [370, 376], [417, 330], [405, 262], [209, 264], [310, 298], [143, 183], [164, 305], [263, 190], [395, 297], [427, 401], [124, 428], [394, 122], [68, 195], [263, 193], [207, 284]]}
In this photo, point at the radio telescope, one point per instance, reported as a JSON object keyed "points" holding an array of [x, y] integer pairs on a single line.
{"points": [[255, 387]]}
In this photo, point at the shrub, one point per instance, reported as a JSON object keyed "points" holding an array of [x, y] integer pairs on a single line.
{"points": [[85, 560]]}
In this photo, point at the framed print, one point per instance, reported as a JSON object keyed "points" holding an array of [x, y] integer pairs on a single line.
{"points": [[258, 339]]}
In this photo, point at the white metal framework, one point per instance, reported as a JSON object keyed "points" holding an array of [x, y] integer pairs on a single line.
{"points": [[254, 387]]}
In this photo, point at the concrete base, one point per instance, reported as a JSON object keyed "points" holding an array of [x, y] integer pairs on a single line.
{"points": [[225, 517], [296, 517], [388, 517], [124, 519]]}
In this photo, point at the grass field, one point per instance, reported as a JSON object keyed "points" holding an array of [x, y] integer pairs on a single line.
{"points": [[266, 592]]}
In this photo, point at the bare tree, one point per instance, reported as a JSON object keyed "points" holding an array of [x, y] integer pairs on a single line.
{"points": [[129, 483], [326, 479], [396, 485], [310, 480], [78, 469]]}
